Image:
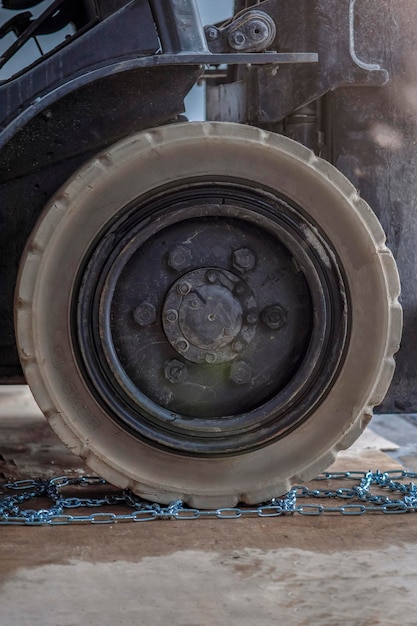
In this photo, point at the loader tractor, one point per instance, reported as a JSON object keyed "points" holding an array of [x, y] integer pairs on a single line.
{"points": [[208, 310]]}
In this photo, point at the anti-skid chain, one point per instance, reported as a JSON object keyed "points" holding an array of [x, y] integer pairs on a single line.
{"points": [[386, 492]]}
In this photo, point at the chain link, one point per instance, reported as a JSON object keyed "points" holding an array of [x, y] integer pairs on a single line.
{"points": [[362, 498]]}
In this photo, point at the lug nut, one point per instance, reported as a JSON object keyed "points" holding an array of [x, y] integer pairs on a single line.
{"points": [[145, 314], [183, 288], [252, 318], [240, 373], [243, 260], [171, 315], [212, 276], [238, 345], [175, 372], [275, 317], [182, 344], [180, 258], [210, 357]]}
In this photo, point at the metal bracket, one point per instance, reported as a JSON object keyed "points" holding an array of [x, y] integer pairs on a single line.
{"points": [[250, 31]]}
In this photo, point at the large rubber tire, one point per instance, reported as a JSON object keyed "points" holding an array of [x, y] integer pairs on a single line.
{"points": [[139, 167]]}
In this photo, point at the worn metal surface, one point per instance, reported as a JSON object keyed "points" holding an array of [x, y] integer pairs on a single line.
{"points": [[251, 31], [325, 27], [373, 143], [358, 110]]}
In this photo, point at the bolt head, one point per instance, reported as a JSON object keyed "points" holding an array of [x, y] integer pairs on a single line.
{"points": [[183, 288], [257, 30], [145, 314], [243, 259], [182, 344], [211, 33], [238, 345], [175, 372], [240, 373], [171, 316], [236, 39], [275, 317], [211, 276], [180, 258], [252, 317]]}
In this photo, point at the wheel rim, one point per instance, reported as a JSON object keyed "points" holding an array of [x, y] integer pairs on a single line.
{"points": [[181, 298]]}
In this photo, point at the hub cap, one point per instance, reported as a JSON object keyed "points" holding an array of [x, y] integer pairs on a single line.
{"points": [[207, 315]]}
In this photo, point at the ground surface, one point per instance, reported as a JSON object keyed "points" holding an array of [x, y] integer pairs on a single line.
{"points": [[292, 570]]}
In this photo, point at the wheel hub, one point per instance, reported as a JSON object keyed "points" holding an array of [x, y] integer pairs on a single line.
{"points": [[214, 326], [205, 315]]}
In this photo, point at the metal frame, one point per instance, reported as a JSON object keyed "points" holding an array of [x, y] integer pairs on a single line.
{"points": [[179, 39], [303, 84]]}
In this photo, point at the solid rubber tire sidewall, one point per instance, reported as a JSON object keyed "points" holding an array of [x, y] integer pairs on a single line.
{"points": [[137, 166]]}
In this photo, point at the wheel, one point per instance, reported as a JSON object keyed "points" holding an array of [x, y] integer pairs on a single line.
{"points": [[207, 311]]}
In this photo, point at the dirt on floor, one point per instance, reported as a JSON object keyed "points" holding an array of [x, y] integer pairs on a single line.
{"points": [[291, 570]]}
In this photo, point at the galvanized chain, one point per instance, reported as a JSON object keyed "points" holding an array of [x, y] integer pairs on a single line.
{"points": [[360, 499]]}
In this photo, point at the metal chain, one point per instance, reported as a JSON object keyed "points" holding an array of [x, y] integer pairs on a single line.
{"points": [[15, 497]]}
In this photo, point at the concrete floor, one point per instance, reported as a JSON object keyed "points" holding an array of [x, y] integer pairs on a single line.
{"points": [[358, 571], [402, 429]]}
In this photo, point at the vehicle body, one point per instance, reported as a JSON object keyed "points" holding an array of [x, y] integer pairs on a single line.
{"points": [[208, 311]]}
